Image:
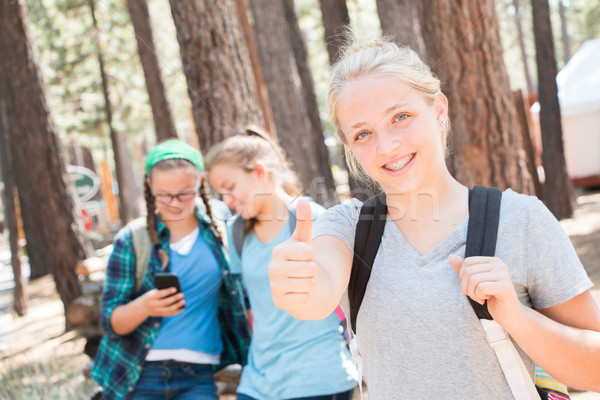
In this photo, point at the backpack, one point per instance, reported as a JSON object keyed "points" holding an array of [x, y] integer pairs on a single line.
{"points": [[484, 216]]}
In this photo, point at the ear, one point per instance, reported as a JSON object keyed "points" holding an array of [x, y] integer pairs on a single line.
{"points": [[440, 104], [260, 168]]}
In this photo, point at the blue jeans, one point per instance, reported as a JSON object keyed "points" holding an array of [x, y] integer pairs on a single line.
{"points": [[175, 380], [337, 396]]}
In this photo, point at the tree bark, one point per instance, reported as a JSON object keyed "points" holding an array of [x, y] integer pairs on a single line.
{"points": [[161, 109], [520, 38], [324, 187], [50, 214], [9, 199], [557, 186], [564, 31], [467, 55], [115, 140], [295, 131], [335, 18], [217, 68], [401, 20], [261, 88]]}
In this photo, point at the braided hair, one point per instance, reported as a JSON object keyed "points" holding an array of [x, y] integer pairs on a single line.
{"points": [[151, 225]]}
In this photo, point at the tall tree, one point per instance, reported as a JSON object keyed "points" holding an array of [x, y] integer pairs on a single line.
{"points": [[261, 88], [557, 185], [564, 31], [127, 189], [521, 40], [10, 215], [161, 109], [335, 18], [217, 68], [326, 186], [282, 77], [401, 19], [467, 55], [50, 215]]}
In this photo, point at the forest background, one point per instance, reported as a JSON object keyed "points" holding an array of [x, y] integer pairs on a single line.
{"points": [[95, 93]]}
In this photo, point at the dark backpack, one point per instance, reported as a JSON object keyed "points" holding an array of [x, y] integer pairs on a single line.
{"points": [[484, 216]]}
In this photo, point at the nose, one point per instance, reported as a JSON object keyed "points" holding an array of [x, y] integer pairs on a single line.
{"points": [[386, 141], [229, 200]]}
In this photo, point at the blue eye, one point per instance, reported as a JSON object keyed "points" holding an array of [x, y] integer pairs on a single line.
{"points": [[400, 117], [360, 135]]}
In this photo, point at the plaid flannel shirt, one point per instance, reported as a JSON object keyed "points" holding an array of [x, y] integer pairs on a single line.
{"points": [[117, 366]]}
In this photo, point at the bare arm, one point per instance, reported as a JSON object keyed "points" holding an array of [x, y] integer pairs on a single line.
{"points": [[308, 278], [154, 303], [564, 340]]}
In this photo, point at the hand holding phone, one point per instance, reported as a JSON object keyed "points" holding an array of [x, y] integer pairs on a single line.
{"points": [[164, 280]]}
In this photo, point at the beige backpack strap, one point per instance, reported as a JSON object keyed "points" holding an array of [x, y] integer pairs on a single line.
{"points": [[142, 247]]}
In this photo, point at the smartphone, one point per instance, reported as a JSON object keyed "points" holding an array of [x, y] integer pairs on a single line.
{"points": [[164, 280]]}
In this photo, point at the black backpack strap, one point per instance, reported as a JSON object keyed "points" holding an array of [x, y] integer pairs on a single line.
{"points": [[367, 239], [484, 216], [238, 234]]}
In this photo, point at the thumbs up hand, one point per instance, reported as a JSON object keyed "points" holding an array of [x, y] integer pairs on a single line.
{"points": [[292, 269]]}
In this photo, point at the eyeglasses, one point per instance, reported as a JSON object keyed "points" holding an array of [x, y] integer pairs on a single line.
{"points": [[181, 197]]}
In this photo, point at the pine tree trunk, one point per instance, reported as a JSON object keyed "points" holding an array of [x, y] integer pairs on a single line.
{"points": [[9, 196], [564, 31], [400, 19], [335, 18], [217, 68], [558, 189], [50, 215], [161, 110], [261, 88], [520, 38], [324, 188], [467, 55], [284, 83]]}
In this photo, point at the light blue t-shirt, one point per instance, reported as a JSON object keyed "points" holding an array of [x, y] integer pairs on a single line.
{"points": [[288, 358], [197, 327]]}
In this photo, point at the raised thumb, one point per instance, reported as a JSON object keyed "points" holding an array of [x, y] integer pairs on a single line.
{"points": [[303, 231], [456, 262]]}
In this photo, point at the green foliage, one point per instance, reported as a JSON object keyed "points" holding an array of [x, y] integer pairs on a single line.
{"points": [[68, 47]]}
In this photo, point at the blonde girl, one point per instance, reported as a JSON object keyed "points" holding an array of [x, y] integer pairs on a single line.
{"points": [[417, 333], [288, 358]]}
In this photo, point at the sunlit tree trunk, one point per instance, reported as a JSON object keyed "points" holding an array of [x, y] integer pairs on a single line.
{"points": [[217, 68], [467, 56], [325, 187], [284, 82], [335, 18], [564, 31], [51, 219], [558, 189], [521, 39], [401, 20], [161, 109], [9, 199]]}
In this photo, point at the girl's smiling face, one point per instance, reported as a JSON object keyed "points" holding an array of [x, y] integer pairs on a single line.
{"points": [[174, 192], [394, 133], [241, 190]]}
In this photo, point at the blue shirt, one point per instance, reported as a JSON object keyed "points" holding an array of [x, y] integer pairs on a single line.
{"points": [[197, 326], [288, 357]]}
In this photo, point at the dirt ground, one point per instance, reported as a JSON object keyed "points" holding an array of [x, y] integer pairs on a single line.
{"points": [[39, 360]]}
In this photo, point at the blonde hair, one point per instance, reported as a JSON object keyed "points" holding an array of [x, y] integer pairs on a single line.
{"points": [[384, 58], [253, 144]]}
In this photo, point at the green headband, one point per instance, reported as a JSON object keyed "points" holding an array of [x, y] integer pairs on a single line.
{"points": [[174, 149]]}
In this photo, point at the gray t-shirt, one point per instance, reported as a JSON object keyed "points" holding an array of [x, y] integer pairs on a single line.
{"points": [[417, 333]]}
